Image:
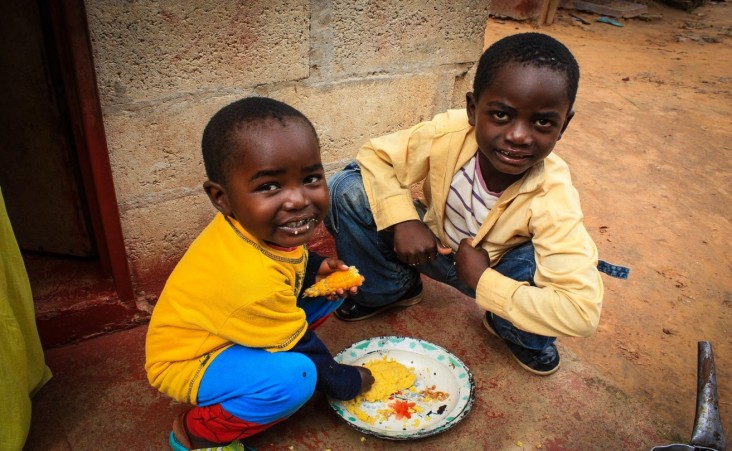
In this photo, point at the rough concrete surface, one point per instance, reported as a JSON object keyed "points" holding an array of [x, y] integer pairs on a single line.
{"points": [[357, 69], [99, 397]]}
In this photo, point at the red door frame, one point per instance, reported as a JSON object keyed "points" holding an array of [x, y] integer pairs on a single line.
{"points": [[71, 34]]}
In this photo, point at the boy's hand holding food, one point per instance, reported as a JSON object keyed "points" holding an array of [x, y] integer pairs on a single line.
{"points": [[335, 280]]}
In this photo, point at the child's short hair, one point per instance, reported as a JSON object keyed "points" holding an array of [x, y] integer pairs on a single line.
{"points": [[531, 49], [217, 143]]}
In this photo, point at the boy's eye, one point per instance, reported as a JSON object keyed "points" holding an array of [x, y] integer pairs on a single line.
{"points": [[313, 179], [544, 123], [500, 115], [267, 187]]}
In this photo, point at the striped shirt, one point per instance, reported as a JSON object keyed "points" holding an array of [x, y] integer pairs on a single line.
{"points": [[468, 203]]}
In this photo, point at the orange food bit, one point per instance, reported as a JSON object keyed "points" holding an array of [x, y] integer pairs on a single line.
{"points": [[401, 409]]}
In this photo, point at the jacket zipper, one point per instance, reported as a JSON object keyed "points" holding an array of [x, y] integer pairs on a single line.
{"points": [[205, 359]]}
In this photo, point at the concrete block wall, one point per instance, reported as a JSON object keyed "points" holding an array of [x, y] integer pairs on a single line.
{"points": [[356, 69]]}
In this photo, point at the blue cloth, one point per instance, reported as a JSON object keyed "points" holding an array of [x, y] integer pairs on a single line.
{"points": [[257, 385], [619, 272]]}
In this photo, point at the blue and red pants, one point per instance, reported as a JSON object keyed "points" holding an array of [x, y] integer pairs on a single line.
{"points": [[245, 390]]}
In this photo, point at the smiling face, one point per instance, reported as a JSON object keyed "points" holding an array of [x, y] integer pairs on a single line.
{"points": [[275, 185], [518, 119]]}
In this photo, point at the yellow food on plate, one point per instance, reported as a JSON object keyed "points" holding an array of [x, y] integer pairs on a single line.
{"points": [[336, 280], [390, 377]]}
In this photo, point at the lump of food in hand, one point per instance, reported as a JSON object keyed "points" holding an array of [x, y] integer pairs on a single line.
{"points": [[336, 280], [390, 377]]}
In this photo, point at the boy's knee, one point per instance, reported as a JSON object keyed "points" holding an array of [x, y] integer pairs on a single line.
{"points": [[288, 384], [346, 181], [298, 384], [287, 390], [348, 198], [519, 263]]}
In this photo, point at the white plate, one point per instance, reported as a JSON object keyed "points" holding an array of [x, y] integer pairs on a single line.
{"points": [[433, 366]]}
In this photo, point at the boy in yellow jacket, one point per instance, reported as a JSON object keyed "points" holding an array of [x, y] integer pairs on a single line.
{"points": [[500, 219], [230, 333]]}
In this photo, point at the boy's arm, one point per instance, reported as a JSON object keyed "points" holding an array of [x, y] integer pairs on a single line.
{"points": [[334, 379], [389, 165], [561, 305], [567, 298], [312, 268]]}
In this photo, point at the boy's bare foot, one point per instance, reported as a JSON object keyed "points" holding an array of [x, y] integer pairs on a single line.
{"points": [[180, 431], [185, 439]]}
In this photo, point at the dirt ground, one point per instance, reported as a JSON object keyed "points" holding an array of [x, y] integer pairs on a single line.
{"points": [[650, 150]]}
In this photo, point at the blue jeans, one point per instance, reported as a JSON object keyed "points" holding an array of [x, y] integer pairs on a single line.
{"points": [[358, 243]]}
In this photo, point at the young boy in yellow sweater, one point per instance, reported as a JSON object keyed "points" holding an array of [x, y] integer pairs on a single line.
{"points": [[499, 220], [231, 334]]}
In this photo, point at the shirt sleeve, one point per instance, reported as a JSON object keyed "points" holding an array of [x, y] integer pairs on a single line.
{"points": [[389, 166], [567, 297]]}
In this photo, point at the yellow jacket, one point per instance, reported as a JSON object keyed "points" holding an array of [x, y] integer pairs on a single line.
{"points": [[228, 288], [542, 206]]}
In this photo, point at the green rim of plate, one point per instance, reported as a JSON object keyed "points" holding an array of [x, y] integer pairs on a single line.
{"points": [[384, 344]]}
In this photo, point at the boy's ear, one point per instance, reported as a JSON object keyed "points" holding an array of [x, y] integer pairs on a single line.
{"points": [[566, 123], [217, 195], [470, 106]]}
